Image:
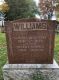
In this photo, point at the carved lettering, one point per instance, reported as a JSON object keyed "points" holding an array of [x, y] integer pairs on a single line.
{"points": [[29, 26]]}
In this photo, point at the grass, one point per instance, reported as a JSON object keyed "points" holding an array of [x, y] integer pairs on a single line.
{"points": [[56, 50], [3, 51]]}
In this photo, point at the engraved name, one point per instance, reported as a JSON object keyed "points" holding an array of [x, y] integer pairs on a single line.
{"points": [[29, 26]]}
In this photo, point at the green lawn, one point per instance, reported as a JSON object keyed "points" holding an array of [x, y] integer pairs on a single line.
{"points": [[56, 50], [3, 51]]}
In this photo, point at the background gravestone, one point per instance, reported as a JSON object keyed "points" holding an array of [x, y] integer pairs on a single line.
{"points": [[30, 41]]}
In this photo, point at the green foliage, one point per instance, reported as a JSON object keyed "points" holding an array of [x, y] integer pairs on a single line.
{"points": [[57, 15], [56, 50], [21, 9], [3, 51]]}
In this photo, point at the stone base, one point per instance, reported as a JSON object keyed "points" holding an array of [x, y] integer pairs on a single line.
{"points": [[31, 71]]}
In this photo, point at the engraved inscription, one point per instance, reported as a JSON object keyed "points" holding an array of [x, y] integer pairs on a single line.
{"points": [[29, 26], [33, 43]]}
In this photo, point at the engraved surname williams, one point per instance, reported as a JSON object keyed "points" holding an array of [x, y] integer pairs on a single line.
{"points": [[29, 26]]}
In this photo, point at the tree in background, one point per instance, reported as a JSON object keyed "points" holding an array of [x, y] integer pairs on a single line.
{"points": [[57, 9], [47, 8], [21, 9], [4, 7]]}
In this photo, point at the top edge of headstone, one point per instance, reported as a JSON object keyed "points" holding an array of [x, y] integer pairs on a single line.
{"points": [[31, 20]]}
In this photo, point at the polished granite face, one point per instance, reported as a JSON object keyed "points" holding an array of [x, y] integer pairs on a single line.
{"points": [[30, 41], [31, 71]]}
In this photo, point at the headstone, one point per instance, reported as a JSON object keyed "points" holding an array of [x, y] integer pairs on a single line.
{"points": [[30, 41]]}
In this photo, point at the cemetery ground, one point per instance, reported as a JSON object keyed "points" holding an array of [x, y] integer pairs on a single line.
{"points": [[3, 51]]}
